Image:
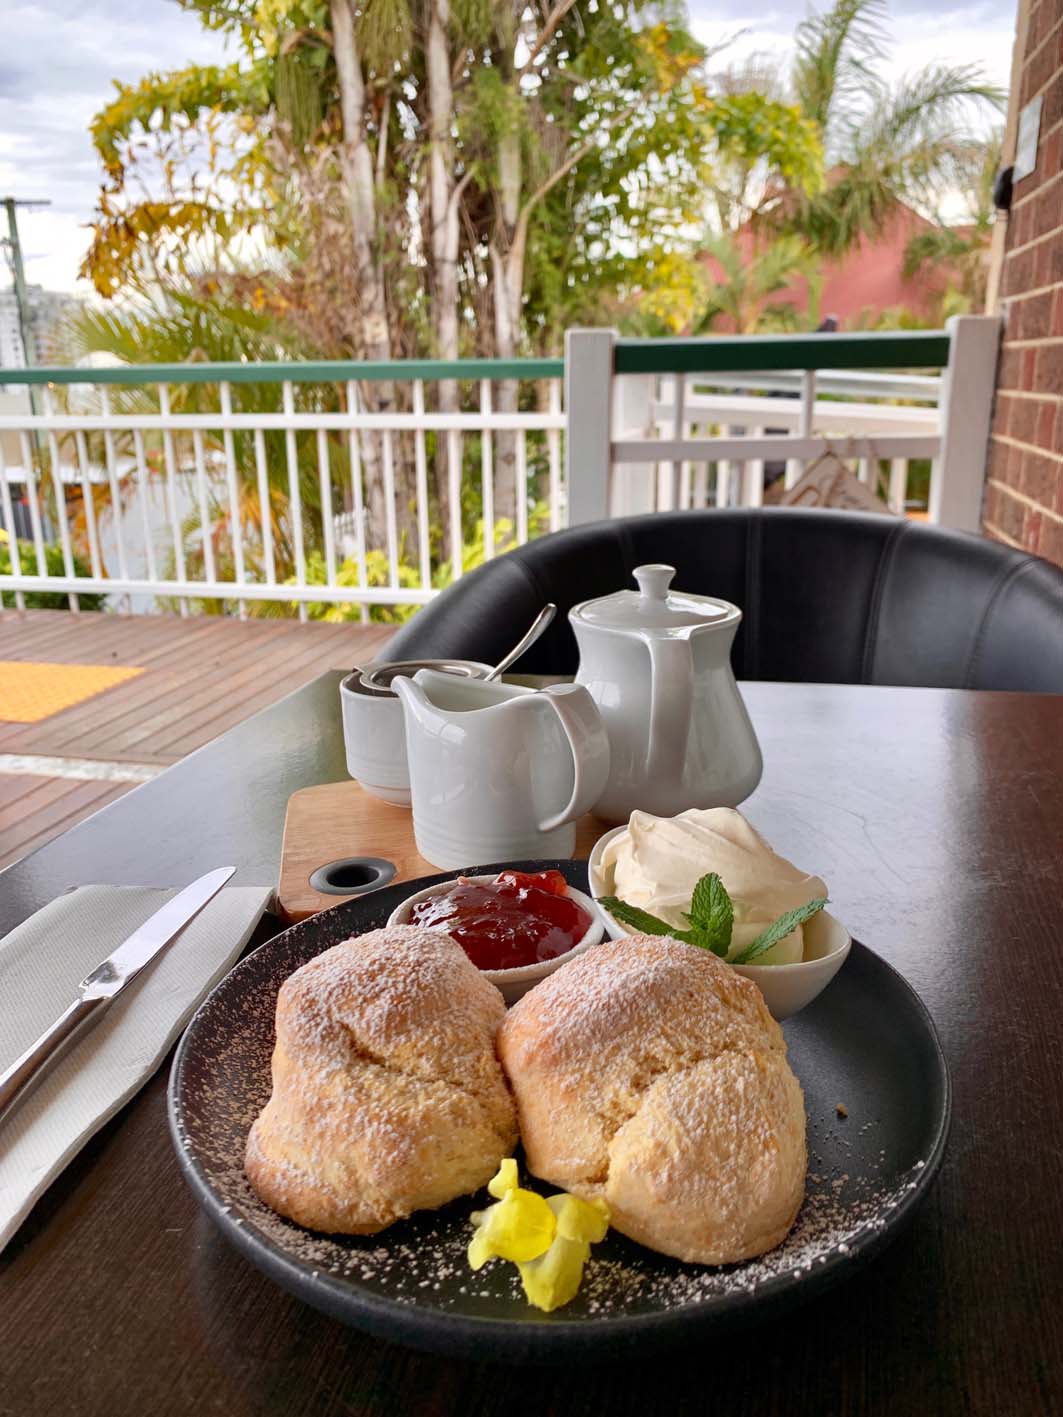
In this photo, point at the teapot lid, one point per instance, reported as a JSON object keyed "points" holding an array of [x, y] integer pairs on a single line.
{"points": [[654, 607]]}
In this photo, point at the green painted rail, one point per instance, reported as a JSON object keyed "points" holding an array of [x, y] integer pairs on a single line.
{"points": [[918, 349], [321, 371], [736, 354]]}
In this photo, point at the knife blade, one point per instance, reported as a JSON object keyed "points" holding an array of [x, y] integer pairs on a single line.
{"points": [[104, 983]]}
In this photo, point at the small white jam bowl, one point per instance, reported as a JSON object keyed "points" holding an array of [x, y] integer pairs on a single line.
{"points": [[513, 983], [787, 988]]}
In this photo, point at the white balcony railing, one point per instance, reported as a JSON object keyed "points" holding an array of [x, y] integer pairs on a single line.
{"points": [[660, 424], [302, 486], [277, 466]]}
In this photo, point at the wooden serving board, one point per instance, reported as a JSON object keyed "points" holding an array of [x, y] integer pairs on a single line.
{"points": [[341, 819]]}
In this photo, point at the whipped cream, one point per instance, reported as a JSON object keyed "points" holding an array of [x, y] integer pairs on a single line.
{"points": [[657, 861]]}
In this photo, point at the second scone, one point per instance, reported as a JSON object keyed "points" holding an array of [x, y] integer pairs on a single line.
{"points": [[649, 1073]]}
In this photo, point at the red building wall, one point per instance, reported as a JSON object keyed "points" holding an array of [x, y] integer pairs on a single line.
{"points": [[1024, 490], [869, 279], [860, 286]]}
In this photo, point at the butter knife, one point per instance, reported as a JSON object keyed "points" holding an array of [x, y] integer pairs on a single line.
{"points": [[99, 988]]}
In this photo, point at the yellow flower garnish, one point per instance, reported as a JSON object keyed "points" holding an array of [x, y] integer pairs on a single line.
{"points": [[518, 1227], [554, 1278], [507, 1179], [549, 1240]]}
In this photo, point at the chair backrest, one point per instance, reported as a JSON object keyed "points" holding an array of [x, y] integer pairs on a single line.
{"points": [[827, 596]]}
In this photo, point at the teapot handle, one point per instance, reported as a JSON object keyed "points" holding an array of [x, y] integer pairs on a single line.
{"points": [[672, 696], [583, 727]]}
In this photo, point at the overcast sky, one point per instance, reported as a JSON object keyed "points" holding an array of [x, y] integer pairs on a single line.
{"points": [[58, 57]]}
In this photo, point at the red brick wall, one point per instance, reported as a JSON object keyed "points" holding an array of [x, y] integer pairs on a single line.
{"points": [[1024, 491]]}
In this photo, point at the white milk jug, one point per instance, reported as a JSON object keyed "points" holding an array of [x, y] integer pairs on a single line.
{"points": [[498, 772]]}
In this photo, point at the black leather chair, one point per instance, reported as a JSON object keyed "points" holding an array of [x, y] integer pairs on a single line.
{"points": [[828, 596]]}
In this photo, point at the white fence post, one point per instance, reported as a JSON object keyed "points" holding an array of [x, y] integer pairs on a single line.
{"points": [[633, 488], [958, 478], [588, 413]]}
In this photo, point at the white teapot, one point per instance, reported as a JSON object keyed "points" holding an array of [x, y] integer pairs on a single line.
{"points": [[658, 665]]}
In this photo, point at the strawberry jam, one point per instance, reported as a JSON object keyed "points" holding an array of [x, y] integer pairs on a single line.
{"points": [[515, 920]]}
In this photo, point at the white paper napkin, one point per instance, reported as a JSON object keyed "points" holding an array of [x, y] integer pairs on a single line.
{"points": [[42, 962]]}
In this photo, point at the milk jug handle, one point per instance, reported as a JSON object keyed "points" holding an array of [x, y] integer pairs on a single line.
{"points": [[583, 727], [671, 703]]}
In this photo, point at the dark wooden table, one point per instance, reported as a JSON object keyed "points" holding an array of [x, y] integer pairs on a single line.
{"points": [[937, 820]]}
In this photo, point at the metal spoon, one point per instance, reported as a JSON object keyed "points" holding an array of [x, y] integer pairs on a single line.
{"points": [[537, 627]]}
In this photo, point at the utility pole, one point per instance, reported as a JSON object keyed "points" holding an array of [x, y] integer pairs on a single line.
{"points": [[13, 251], [14, 256]]}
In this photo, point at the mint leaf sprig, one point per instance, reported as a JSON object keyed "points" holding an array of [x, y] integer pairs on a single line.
{"points": [[779, 929], [711, 917]]}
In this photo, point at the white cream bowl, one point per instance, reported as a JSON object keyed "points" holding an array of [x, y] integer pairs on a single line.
{"points": [[787, 988], [513, 983]]}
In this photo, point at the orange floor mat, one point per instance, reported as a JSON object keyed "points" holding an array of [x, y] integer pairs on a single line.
{"points": [[30, 692]]}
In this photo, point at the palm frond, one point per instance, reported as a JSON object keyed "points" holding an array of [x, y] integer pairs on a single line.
{"points": [[938, 246], [385, 33], [931, 104], [749, 278], [836, 54]]}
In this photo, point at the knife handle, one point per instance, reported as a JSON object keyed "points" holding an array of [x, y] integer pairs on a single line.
{"points": [[25, 1072]]}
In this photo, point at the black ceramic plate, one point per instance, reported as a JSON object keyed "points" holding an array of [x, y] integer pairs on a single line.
{"points": [[866, 1043]]}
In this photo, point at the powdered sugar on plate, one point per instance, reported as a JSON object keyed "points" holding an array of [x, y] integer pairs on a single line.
{"points": [[423, 1260], [864, 1168]]}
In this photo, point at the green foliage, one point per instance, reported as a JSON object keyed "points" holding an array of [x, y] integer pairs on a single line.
{"points": [[54, 566], [471, 21], [385, 32], [596, 159], [616, 135], [194, 325], [834, 67], [161, 125], [963, 251], [750, 277], [298, 89], [164, 102], [617, 240], [378, 573], [885, 144], [751, 128]]}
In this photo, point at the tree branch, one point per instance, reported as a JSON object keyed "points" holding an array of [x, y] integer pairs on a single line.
{"points": [[555, 177], [382, 142], [547, 32], [575, 157]]}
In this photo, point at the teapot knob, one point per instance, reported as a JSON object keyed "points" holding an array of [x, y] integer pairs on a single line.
{"points": [[654, 581]]}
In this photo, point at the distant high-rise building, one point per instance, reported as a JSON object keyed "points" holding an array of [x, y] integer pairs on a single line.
{"points": [[47, 309]]}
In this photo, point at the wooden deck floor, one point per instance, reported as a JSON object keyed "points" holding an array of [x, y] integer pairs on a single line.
{"points": [[201, 676]]}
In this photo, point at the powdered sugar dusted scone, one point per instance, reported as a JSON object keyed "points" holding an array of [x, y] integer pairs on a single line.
{"points": [[649, 1073], [387, 1096]]}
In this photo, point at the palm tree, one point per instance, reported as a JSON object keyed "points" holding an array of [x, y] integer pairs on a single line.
{"points": [[963, 249], [748, 279], [885, 145]]}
